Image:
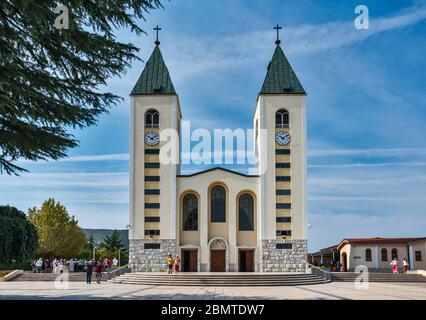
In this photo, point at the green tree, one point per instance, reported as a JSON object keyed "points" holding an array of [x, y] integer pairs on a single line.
{"points": [[88, 248], [112, 247], [113, 242], [59, 234], [18, 237], [50, 78]]}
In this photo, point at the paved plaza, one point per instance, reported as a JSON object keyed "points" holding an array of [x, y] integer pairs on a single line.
{"points": [[335, 290]]}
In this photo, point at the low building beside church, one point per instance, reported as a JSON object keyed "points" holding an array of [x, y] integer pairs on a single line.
{"points": [[218, 219], [374, 253]]}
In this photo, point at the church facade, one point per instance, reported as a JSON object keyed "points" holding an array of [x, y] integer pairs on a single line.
{"points": [[218, 219]]}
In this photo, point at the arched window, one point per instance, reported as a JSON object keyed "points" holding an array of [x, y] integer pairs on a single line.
{"points": [[190, 212], [368, 255], [282, 119], [394, 253], [218, 204], [384, 254], [246, 212], [152, 119]]}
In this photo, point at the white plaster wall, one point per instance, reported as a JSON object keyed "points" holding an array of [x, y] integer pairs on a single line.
{"points": [[266, 108], [168, 107]]}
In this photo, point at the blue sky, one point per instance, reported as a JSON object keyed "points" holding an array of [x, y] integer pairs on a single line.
{"points": [[366, 110]]}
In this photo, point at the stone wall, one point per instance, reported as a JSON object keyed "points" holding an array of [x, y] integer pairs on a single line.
{"points": [[284, 260], [150, 260]]}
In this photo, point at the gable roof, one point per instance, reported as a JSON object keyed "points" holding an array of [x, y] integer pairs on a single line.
{"points": [[155, 77], [217, 168], [280, 77]]}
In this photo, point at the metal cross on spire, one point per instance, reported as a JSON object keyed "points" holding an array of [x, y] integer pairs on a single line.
{"points": [[157, 29], [278, 41]]}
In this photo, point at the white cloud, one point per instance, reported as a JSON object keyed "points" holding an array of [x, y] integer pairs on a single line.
{"points": [[188, 57], [98, 157], [372, 152]]}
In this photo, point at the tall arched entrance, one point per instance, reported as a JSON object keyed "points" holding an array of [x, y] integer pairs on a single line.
{"points": [[218, 255], [344, 262]]}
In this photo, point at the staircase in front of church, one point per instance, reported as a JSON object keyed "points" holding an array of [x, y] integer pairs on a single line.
{"points": [[69, 276], [219, 279], [378, 277]]}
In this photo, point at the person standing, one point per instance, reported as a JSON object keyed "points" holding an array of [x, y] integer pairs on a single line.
{"points": [[98, 270], [89, 271], [170, 263], [177, 264], [39, 265], [394, 265], [405, 265], [115, 262], [72, 265]]}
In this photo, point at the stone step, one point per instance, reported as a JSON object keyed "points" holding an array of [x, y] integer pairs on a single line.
{"points": [[378, 277], [74, 277], [217, 280], [221, 280], [227, 283]]}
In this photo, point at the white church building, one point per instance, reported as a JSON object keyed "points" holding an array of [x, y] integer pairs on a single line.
{"points": [[219, 220]]}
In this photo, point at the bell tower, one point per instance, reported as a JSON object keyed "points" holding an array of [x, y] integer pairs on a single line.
{"points": [[281, 113], [154, 110]]}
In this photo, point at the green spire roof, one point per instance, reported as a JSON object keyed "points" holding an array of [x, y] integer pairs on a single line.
{"points": [[280, 77], [155, 78]]}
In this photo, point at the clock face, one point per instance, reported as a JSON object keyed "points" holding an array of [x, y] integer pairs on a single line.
{"points": [[152, 138], [282, 138]]}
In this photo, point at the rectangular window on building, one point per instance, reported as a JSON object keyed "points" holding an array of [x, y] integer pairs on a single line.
{"points": [[418, 256], [152, 151], [151, 246], [283, 205], [283, 219], [283, 178], [152, 232], [152, 219], [284, 246], [152, 206], [152, 191], [283, 192], [282, 165], [152, 178], [282, 151], [152, 165], [283, 233]]}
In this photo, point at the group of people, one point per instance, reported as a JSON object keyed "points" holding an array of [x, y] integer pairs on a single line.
{"points": [[73, 265], [172, 264], [395, 265], [335, 266]]}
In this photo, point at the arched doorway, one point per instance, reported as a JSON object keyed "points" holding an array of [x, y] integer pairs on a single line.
{"points": [[218, 255], [344, 262]]}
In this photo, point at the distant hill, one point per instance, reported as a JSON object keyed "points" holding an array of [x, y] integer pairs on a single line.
{"points": [[99, 235]]}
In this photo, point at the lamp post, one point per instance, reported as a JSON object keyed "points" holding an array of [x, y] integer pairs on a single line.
{"points": [[95, 243]]}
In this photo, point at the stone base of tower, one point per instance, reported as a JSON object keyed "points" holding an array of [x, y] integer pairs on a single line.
{"points": [[143, 257], [284, 255]]}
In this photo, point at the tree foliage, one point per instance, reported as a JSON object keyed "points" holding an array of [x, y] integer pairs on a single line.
{"points": [[18, 237], [59, 234], [50, 78], [112, 242]]}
